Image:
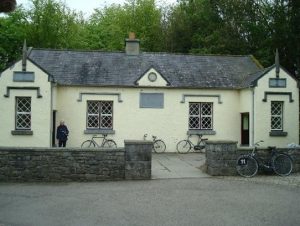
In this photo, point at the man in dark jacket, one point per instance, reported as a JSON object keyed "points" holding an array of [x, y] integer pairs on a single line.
{"points": [[62, 134]]}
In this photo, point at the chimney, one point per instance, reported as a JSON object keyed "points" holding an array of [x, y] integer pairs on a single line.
{"points": [[24, 56], [277, 65], [132, 45]]}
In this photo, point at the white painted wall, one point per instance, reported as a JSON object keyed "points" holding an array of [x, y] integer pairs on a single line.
{"points": [[40, 107], [263, 111], [132, 122]]}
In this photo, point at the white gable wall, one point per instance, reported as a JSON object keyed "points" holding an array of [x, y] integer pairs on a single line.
{"points": [[160, 81], [40, 108], [262, 118]]}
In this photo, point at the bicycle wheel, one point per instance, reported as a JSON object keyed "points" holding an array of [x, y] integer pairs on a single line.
{"points": [[282, 164], [110, 144], [159, 146], [183, 146], [246, 166], [88, 144]]}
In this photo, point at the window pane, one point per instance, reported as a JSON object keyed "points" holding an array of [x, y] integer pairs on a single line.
{"points": [[106, 122], [206, 123], [194, 109], [106, 107], [100, 115], [206, 108], [23, 113], [276, 115], [93, 107], [93, 121], [200, 115], [194, 123]]}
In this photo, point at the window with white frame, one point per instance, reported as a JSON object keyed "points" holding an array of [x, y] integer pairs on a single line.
{"points": [[276, 115], [23, 113], [201, 116], [99, 115]]}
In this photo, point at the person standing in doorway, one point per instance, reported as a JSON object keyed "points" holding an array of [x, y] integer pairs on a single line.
{"points": [[62, 134]]}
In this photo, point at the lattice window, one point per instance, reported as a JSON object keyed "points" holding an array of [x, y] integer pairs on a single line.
{"points": [[276, 115], [201, 116], [99, 115], [23, 113]]}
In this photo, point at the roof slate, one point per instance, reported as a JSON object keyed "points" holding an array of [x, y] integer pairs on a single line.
{"points": [[95, 68]]}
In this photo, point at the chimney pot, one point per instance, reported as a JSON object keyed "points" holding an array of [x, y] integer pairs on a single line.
{"points": [[132, 45], [131, 35]]}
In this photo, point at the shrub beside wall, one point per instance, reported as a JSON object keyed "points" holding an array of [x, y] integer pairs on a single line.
{"points": [[221, 157], [69, 164]]}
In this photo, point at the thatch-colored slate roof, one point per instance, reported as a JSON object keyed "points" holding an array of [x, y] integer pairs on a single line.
{"points": [[96, 68]]}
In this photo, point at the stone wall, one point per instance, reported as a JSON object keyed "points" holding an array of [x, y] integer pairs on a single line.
{"points": [[221, 157], [69, 164], [138, 159]]}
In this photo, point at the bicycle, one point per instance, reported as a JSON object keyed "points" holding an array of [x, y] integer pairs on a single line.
{"points": [[247, 164], [106, 143], [158, 145], [185, 146]]}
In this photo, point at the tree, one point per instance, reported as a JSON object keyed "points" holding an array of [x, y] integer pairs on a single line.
{"points": [[53, 25], [12, 35], [108, 27]]}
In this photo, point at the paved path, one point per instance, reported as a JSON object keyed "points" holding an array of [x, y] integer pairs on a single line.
{"points": [[173, 165]]}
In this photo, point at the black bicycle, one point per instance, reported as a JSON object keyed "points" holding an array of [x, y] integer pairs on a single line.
{"points": [[247, 165], [159, 145], [185, 146], [106, 143]]}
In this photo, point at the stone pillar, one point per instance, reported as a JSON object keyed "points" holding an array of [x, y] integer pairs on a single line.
{"points": [[221, 157], [138, 156]]}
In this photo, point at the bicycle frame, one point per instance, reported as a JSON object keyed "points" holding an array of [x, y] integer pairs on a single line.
{"points": [[103, 140], [267, 164], [280, 163], [198, 142]]}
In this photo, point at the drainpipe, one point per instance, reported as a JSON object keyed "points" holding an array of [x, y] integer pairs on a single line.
{"points": [[252, 117], [51, 112]]}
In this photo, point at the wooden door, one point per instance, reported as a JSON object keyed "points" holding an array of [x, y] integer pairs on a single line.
{"points": [[245, 129]]}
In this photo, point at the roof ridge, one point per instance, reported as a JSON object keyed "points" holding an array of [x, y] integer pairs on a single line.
{"points": [[77, 50], [156, 53], [197, 54]]}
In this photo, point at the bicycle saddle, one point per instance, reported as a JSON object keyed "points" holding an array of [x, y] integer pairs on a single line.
{"points": [[271, 147]]}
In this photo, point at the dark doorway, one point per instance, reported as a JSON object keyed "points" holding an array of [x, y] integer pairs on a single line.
{"points": [[245, 129], [53, 128]]}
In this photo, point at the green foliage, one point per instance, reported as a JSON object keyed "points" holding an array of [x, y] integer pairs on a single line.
{"points": [[255, 27], [53, 25], [12, 34], [109, 27]]}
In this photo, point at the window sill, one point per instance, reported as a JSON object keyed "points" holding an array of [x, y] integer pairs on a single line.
{"points": [[201, 132], [22, 132], [99, 131], [278, 134]]}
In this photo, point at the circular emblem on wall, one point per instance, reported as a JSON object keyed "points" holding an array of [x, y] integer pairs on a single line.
{"points": [[152, 77]]}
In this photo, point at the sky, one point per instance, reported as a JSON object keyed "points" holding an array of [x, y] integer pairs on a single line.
{"points": [[87, 6]]}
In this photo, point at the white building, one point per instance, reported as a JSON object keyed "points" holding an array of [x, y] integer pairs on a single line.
{"points": [[128, 94]]}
